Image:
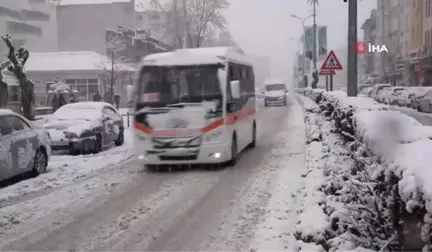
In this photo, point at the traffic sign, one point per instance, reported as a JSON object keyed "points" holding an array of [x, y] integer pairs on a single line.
{"points": [[327, 72], [331, 62]]}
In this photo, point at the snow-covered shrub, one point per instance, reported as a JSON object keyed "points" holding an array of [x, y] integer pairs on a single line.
{"points": [[394, 152]]}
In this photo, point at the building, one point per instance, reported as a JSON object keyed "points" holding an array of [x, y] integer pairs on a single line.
{"points": [[84, 71], [426, 52], [405, 40], [129, 46], [369, 36], [31, 23], [417, 16], [82, 24], [391, 34]]}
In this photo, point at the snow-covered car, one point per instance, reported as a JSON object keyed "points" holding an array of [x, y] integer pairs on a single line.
{"points": [[392, 95], [275, 92], [365, 90], [377, 89], [415, 94], [85, 127], [382, 93], [404, 98], [424, 102], [23, 146]]}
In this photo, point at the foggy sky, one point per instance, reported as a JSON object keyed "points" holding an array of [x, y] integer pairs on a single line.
{"points": [[264, 27]]}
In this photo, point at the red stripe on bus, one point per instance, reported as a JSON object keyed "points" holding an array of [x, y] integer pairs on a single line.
{"points": [[230, 119], [143, 128], [212, 126], [240, 115]]}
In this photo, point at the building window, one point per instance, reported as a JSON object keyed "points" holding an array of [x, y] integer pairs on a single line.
{"points": [[85, 87], [22, 28], [13, 93], [28, 15]]}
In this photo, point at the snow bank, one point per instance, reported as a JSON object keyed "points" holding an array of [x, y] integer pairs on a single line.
{"points": [[394, 152], [334, 216]]}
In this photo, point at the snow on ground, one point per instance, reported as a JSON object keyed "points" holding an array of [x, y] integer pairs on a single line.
{"points": [[66, 169], [424, 118], [275, 233]]}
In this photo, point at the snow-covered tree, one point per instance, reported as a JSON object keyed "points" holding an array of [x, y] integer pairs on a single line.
{"points": [[192, 21], [17, 60]]}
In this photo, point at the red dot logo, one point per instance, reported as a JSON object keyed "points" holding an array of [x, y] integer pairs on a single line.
{"points": [[360, 47]]}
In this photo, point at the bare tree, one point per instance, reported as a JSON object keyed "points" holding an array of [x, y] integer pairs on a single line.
{"points": [[192, 22], [18, 59]]}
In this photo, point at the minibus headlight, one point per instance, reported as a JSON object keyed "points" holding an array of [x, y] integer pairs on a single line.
{"points": [[195, 141], [213, 136]]}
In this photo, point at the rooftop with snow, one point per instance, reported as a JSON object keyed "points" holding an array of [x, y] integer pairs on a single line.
{"points": [[71, 61], [201, 56]]}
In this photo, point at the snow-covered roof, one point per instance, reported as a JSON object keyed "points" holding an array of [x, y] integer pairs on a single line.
{"points": [[197, 56], [71, 61], [84, 2], [88, 105]]}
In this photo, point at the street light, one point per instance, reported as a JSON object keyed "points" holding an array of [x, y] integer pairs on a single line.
{"points": [[303, 20]]}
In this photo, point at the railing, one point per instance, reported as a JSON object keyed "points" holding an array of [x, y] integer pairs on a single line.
{"points": [[129, 118]]}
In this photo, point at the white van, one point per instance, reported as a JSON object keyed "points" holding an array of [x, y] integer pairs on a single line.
{"points": [[194, 106], [275, 92]]}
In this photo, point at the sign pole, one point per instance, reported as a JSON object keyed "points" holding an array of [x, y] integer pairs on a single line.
{"points": [[352, 55], [327, 83], [331, 82]]}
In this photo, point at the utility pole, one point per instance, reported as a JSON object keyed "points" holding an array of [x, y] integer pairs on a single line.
{"points": [[112, 77], [352, 55], [314, 36], [303, 20]]}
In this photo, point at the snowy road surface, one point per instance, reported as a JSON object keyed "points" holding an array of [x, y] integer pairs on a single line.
{"points": [[424, 118], [249, 206]]}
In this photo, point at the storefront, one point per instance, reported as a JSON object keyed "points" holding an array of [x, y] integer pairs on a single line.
{"points": [[425, 66], [415, 76], [85, 72]]}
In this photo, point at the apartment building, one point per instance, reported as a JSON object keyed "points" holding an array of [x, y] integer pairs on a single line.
{"points": [[82, 24], [425, 64], [31, 23], [417, 17], [369, 36]]}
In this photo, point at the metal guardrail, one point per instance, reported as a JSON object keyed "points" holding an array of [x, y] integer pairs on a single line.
{"points": [[129, 117]]}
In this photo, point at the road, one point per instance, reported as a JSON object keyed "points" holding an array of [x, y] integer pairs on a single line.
{"points": [[424, 118], [125, 210]]}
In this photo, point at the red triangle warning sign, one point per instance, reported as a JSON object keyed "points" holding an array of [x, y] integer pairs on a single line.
{"points": [[331, 62]]}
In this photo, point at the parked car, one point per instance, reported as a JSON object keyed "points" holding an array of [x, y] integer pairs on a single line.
{"points": [[24, 147], [382, 94], [85, 127], [403, 99], [392, 95], [377, 88], [366, 91], [415, 94], [424, 103]]}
